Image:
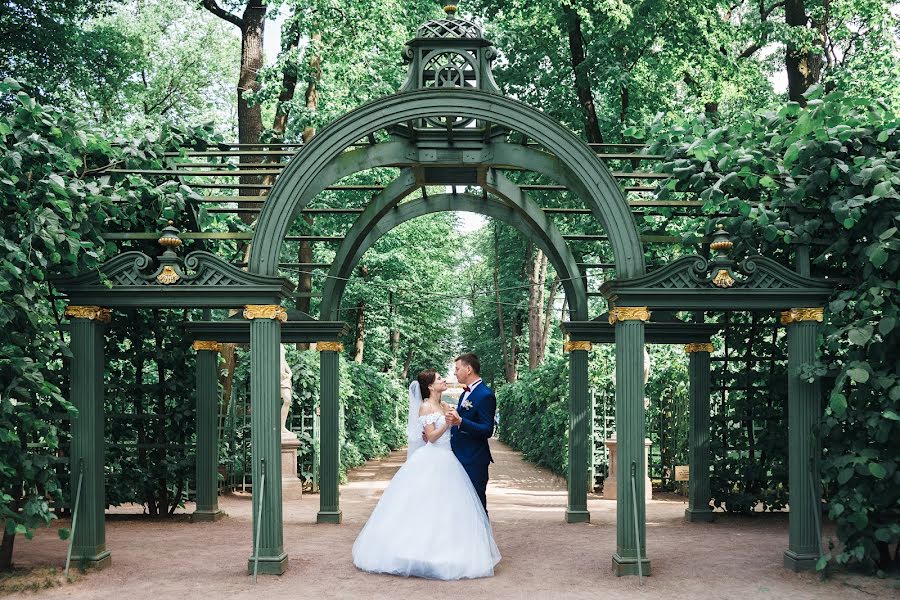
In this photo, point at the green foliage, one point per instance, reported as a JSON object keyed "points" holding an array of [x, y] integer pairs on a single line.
{"points": [[52, 211], [534, 414], [825, 176]]}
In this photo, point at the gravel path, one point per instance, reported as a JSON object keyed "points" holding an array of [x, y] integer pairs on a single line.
{"points": [[543, 557]]}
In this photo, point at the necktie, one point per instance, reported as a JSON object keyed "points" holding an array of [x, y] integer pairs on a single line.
{"points": [[466, 389]]}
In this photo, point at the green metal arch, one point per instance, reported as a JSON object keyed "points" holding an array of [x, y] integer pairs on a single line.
{"points": [[367, 231], [291, 192]]}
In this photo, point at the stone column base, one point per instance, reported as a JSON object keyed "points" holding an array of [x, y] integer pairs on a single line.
{"points": [[699, 515], [327, 516], [800, 562], [578, 516], [610, 487], [97, 560], [629, 566], [269, 565], [291, 486], [203, 516]]}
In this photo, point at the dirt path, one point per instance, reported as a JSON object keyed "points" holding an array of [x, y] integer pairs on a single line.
{"points": [[543, 557]]}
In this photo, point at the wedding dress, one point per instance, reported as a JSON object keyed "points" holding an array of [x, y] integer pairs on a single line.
{"points": [[429, 522]]}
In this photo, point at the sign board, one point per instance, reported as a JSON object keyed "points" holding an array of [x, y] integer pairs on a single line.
{"points": [[681, 472]]}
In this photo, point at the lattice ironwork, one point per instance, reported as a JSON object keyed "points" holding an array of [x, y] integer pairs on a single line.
{"points": [[449, 28]]}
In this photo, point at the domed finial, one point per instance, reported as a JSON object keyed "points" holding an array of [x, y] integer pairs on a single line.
{"points": [[169, 238], [450, 9]]}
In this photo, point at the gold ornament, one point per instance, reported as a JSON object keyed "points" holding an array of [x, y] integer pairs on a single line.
{"points": [[94, 313], [329, 347], [569, 346], [265, 311], [707, 347], [628, 313], [723, 279], [168, 275], [795, 315], [205, 345]]}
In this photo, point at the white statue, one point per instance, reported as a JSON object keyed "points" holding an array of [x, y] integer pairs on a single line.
{"points": [[286, 388]]}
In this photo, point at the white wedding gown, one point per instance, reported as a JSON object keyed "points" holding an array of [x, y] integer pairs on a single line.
{"points": [[429, 522]]}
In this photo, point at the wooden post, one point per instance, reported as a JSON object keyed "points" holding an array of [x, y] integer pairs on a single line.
{"points": [[630, 433], [88, 441], [207, 508], [265, 433]]}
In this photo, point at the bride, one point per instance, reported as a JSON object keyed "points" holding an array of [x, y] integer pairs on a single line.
{"points": [[430, 521]]}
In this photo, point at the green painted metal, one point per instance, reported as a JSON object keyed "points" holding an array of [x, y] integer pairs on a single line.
{"points": [[760, 283], [579, 443], [295, 331], [87, 447], [698, 509], [259, 517], [329, 446], [630, 434], [74, 518], [662, 328], [203, 281], [303, 174], [207, 454], [265, 431], [523, 214], [804, 413]]}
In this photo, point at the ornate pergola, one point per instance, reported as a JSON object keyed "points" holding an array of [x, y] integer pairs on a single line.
{"points": [[448, 126]]}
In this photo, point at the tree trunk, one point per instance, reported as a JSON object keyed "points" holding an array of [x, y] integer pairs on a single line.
{"points": [[250, 115], [312, 104], [535, 309], [404, 375], [804, 66], [582, 77], [6, 550], [360, 332], [312, 88], [548, 318], [500, 324]]}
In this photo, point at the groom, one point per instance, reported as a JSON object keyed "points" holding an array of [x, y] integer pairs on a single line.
{"points": [[473, 423]]}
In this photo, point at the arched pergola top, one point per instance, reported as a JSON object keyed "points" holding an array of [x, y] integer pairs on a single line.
{"points": [[601, 192], [544, 234]]}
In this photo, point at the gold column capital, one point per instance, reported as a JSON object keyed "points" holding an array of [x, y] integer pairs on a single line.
{"points": [[329, 347], [570, 346], [698, 347], [796, 315], [628, 313], [94, 313], [206, 345], [265, 311]]}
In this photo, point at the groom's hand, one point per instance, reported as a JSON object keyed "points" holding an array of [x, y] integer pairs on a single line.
{"points": [[453, 417]]}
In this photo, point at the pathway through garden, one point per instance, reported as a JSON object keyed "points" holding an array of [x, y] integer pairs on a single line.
{"points": [[543, 557]]}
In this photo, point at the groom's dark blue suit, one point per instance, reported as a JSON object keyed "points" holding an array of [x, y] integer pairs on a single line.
{"points": [[469, 440]]}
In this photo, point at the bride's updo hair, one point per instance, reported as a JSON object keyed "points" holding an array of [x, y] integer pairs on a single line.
{"points": [[426, 378]]}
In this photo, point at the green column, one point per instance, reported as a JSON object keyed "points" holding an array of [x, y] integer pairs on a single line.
{"points": [[88, 441], [329, 432], [804, 413], [630, 433], [579, 430], [698, 446], [265, 431], [207, 437]]}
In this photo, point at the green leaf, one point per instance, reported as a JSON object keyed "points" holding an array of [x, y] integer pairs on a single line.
{"points": [[877, 255], [767, 182], [886, 325], [877, 470], [844, 476], [861, 335], [890, 414], [882, 189], [838, 404], [858, 374]]}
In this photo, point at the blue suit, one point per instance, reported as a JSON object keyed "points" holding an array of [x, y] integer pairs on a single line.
{"points": [[469, 440]]}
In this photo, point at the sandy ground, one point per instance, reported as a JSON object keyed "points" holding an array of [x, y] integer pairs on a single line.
{"points": [[543, 557]]}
